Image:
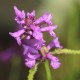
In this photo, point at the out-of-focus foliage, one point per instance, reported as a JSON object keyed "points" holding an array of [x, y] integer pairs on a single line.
{"points": [[66, 14]]}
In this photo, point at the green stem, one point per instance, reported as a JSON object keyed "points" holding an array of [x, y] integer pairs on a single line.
{"points": [[66, 51], [47, 68], [32, 72]]}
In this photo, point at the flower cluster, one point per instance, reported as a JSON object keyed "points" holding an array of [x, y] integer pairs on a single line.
{"points": [[30, 36]]}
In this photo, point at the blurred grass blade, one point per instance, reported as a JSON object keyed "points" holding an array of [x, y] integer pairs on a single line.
{"points": [[15, 68]]}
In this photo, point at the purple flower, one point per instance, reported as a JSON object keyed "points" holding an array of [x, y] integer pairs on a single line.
{"points": [[54, 61], [37, 44], [31, 15], [31, 55], [54, 43], [30, 63], [20, 15], [55, 64], [29, 49], [31, 30], [45, 18], [17, 35], [33, 27], [32, 39], [50, 30], [37, 34]]}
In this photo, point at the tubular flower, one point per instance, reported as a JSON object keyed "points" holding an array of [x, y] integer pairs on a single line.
{"points": [[45, 18], [32, 39], [54, 61], [54, 43], [31, 55], [20, 15], [17, 35]]}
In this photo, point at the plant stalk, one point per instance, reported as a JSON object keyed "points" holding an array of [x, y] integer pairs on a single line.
{"points": [[47, 68]]}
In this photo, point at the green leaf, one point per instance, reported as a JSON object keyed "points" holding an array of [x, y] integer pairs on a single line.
{"points": [[32, 72], [66, 51]]}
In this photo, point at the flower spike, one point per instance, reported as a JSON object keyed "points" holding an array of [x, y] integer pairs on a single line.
{"points": [[31, 36]]}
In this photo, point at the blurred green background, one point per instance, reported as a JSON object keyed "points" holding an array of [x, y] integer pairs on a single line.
{"points": [[66, 14]]}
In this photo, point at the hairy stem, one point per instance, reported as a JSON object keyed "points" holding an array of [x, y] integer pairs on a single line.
{"points": [[32, 72], [66, 51]]}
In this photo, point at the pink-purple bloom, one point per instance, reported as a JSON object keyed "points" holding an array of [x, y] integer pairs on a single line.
{"points": [[17, 35], [54, 61], [54, 43], [20, 15], [45, 18], [32, 39], [31, 55]]}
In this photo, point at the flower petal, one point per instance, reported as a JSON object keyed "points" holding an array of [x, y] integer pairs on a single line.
{"points": [[30, 63], [45, 18], [48, 28], [17, 35], [55, 64], [51, 57], [32, 14], [39, 44], [20, 15], [54, 61], [29, 49], [29, 55], [55, 43]]}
